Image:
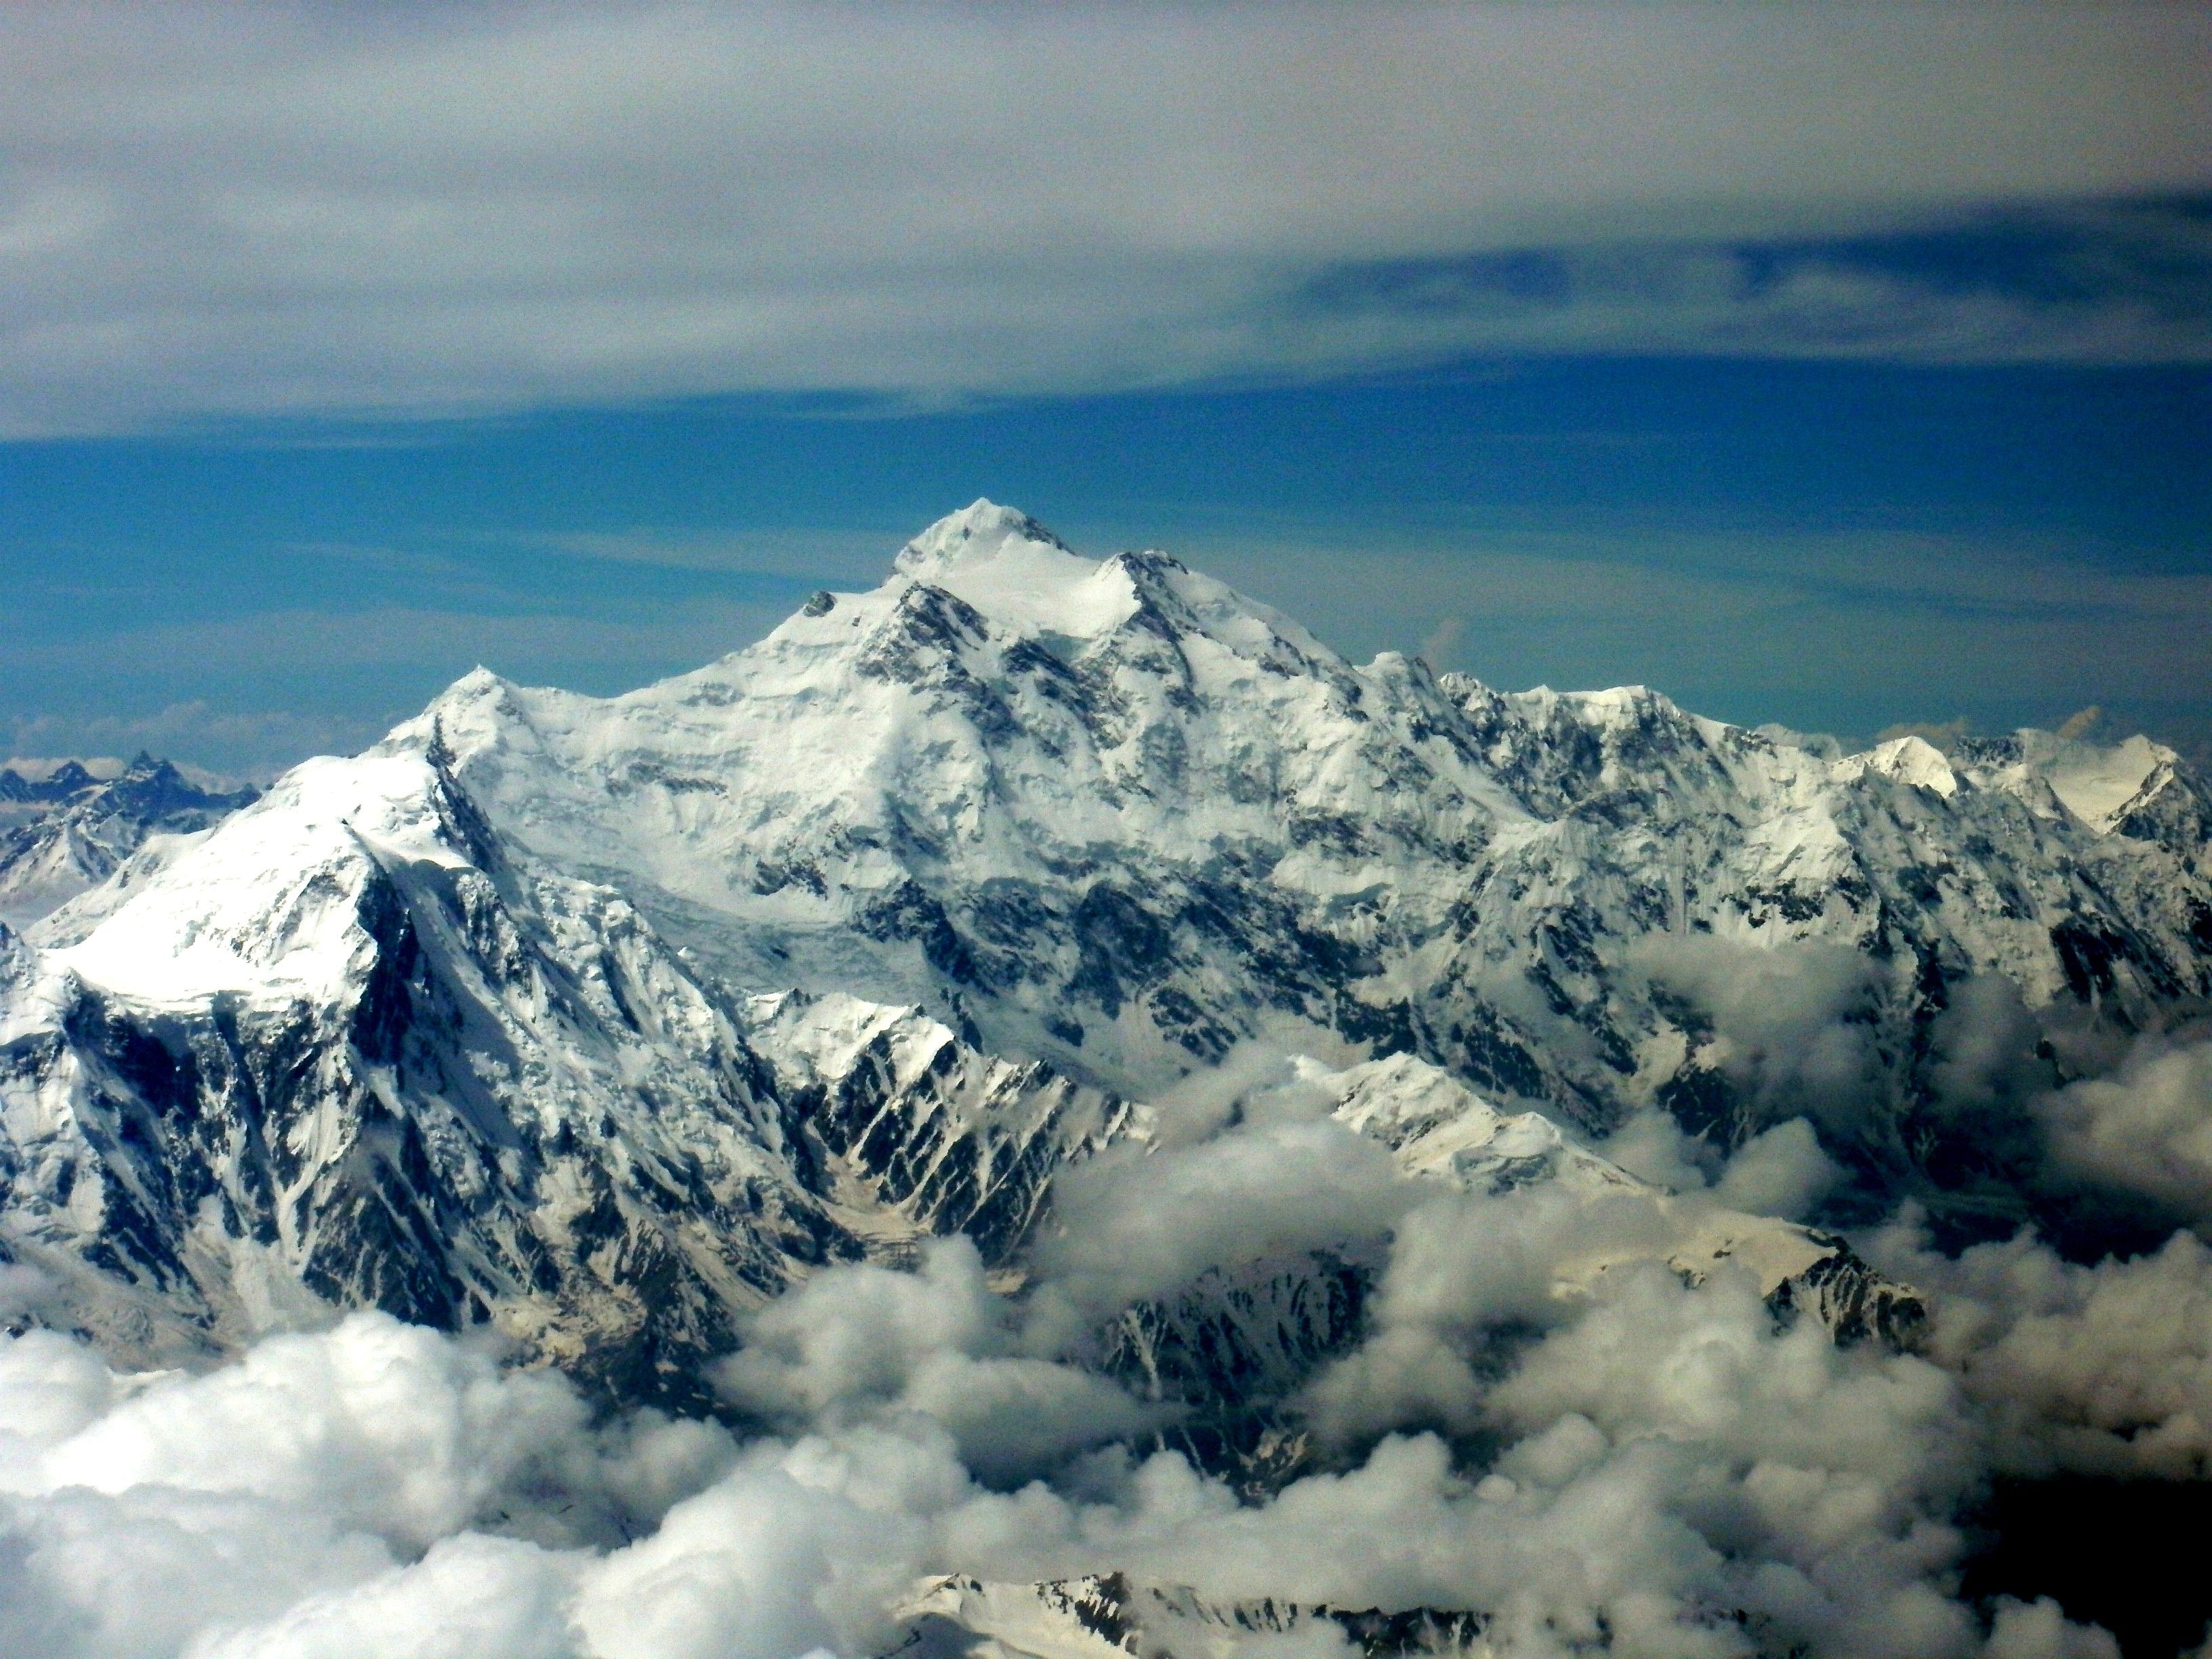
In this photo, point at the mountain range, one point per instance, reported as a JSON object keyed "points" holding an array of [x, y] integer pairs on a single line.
{"points": [[606, 1021]]}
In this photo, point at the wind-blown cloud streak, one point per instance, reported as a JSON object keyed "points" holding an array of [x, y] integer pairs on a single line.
{"points": [[211, 211]]}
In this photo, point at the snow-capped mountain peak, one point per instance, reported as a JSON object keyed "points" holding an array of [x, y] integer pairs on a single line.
{"points": [[978, 530], [1014, 570], [1912, 760], [1011, 569], [264, 908], [2101, 785]]}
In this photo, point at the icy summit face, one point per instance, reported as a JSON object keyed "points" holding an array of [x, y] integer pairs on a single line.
{"points": [[1111, 814], [604, 1020]]}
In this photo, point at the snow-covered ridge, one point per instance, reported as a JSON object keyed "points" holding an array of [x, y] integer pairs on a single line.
{"points": [[263, 907], [1115, 815], [67, 826], [1017, 572]]}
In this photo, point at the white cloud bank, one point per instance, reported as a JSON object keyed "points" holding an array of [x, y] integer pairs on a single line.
{"points": [[1674, 1475], [359, 1493], [1618, 1461], [211, 210], [2145, 1130]]}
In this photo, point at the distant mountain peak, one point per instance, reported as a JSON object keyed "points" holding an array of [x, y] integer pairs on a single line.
{"points": [[978, 530], [68, 828], [1008, 568]]}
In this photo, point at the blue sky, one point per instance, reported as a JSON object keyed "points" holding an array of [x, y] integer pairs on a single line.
{"points": [[1574, 346]]}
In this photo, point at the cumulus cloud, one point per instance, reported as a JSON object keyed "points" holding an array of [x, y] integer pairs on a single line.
{"points": [[1461, 1268], [1540, 1421], [1780, 1172], [2041, 1630], [396, 1432], [864, 1343], [142, 1512], [382, 1489], [468, 1596], [214, 210], [1671, 1469], [1245, 1167], [1986, 1060], [1253, 1168], [786, 1557], [2144, 1130], [1780, 1023], [1667, 1472], [2123, 1150], [1650, 1143], [1834, 1471], [2101, 1370], [1661, 1450]]}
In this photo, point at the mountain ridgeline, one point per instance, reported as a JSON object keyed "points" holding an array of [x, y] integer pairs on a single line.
{"points": [[64, 831], [604, 1021]]}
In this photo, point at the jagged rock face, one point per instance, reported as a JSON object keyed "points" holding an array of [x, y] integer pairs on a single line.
{"points": [[1108, 815], [357, 1051], [1852, 1300], [1231, 1349], [67, 832], [2071, 875], [921, 1133], [396, 1068]]}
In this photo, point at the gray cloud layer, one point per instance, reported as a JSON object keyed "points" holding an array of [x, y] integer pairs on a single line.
{"points": [[211, 210]]}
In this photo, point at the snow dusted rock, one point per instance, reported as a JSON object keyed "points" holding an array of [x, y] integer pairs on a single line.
{"points": [[920, 1135], [1109, 815], [1116, 816], [354, 1049], [1685, 862], [68, 832], [1109, 1615], [2136, 789], [348, 1052]]}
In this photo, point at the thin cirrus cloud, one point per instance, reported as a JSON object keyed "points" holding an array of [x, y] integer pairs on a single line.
{"points": [[222, 211]]}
